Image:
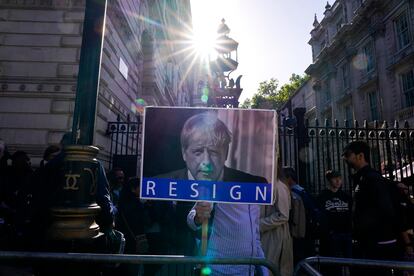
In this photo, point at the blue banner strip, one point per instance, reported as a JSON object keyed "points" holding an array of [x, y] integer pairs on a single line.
{"points": [[216, 191]]}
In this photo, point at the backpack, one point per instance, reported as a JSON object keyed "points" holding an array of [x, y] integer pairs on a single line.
{"points": [[400, 219], [313, 214], [297, 217]]}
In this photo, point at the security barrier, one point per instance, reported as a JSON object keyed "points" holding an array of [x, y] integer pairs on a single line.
{"points": [[306, 264], [17, 256]]}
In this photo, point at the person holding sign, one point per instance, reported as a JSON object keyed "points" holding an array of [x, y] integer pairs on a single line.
{"points": [[233, 228]]}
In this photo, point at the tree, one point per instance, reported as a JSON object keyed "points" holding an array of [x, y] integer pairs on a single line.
{"points": [[269, 96], [268, 88], [295, 81], [247, 103], [266, 95]]}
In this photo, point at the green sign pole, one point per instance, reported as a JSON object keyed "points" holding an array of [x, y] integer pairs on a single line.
{"points": [[89, 72]]}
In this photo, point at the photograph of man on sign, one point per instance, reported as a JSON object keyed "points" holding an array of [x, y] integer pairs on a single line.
{"points": [[224, 156], [208, 159]]}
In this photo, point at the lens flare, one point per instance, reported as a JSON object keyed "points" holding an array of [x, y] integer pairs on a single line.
{"points": [[140, 102], [206, 271], [205, 92], [204, 98], [138, 106], [360, 62]]}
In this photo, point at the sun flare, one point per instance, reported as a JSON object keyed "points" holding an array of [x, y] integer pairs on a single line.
{"points": [[204, 45], [204, 37]]}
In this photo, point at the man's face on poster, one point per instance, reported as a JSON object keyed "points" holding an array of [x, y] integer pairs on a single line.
{"points": [[205, 159]]}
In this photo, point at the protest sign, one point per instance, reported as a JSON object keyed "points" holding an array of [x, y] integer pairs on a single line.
{"points": [[208, 154]]}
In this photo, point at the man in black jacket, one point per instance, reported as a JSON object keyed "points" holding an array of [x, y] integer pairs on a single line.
{"points": [[375, 223]]}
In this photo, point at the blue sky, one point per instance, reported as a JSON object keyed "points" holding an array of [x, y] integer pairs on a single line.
{"points": [[273, 35]]}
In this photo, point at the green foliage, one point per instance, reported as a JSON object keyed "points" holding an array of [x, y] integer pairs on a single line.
{"points": [[268, 88], [270, 97], [246, 104]]}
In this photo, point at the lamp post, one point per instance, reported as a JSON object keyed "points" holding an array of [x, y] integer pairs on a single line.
{"points": [[225, 91], [74, 213]]}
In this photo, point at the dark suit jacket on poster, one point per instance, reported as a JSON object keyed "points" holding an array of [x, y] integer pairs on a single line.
{"points": [[230, 175]]}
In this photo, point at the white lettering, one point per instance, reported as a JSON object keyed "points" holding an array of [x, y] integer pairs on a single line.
{"points": [[238, 194], [172, 189], [214, 191], [193, 188], [262, 194], [150, 186]]}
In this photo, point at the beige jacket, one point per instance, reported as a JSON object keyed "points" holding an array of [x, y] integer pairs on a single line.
{"points": [[274, 229], [297, 217]]}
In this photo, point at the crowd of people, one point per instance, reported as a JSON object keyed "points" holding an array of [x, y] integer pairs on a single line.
{"points": [[132, 226], [376, 222]]}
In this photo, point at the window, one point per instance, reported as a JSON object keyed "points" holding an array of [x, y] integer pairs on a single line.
{"points": [[407, 81], [349, 116], [323, 44], [339, 25], [169, 71], [345, 76], [346, 13], [325, 93], [368, 51], [373, 105], [328, 95], [356, 4], [402, 31], [173, 5], [328, 119]]}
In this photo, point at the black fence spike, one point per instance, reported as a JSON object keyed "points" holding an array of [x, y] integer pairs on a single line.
{"points": [[385, 124], [336, 123], [356, 124], [365, 124], [396, 124], [346, 123], [406, 125], [326, 123], [376, 124], [316, 122]]}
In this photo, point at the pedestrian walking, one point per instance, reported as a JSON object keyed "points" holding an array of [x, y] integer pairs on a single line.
{"points": [[375, 220]]}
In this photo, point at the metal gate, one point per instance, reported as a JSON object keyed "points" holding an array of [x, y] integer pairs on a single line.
{"points": [[312, 149], [125, 149]]}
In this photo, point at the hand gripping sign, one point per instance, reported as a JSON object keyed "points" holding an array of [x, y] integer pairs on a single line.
{"points": [[208, 154]]}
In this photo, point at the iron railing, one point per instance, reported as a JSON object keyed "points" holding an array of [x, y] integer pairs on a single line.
{"points": [[16, 256], [307, 263], [124, 148], [313, 149]]}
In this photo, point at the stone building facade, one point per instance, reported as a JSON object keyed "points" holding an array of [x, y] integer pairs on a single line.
{"points": [[363, 62], [40, 45]]}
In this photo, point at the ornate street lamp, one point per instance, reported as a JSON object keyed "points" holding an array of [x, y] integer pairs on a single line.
{"points": [[225, 91]]}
